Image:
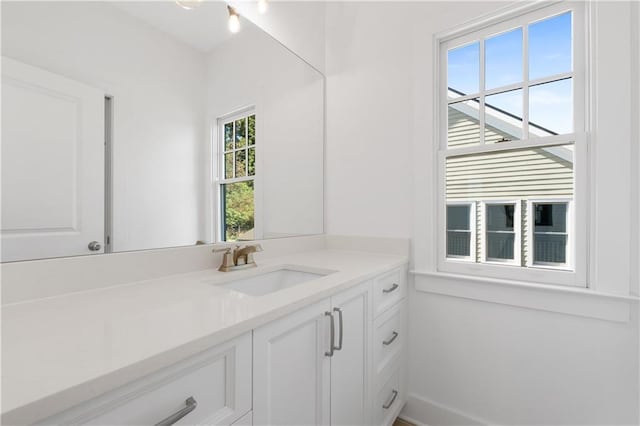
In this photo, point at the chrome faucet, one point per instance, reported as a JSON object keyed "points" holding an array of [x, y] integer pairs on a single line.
{"points": [[239, 258]]}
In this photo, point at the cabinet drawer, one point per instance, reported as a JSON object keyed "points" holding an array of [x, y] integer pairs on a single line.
{"points": [[389, 400], [388, 289], [213, 387], [389, 336]]}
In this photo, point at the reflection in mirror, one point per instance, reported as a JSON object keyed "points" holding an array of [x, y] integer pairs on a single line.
{"points": [[140, 125]]}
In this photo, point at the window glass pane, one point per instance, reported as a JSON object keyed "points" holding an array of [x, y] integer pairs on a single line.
{"points": [[551, 217], [241, 163], [458, 243], [252, 161], [550, 50], [228, 136], [464, 126], [238, 211], [228, 165], [463, 69], [551, 108], [500, 217], [241, 133], [503, 59], [252, 130], [520, 174], [503, 117], [458, 217]]}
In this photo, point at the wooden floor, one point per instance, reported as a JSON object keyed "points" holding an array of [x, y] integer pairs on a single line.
{"points": [[400, 422]]}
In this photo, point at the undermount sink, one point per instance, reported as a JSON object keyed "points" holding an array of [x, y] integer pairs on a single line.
{"points": [[272, 281]]}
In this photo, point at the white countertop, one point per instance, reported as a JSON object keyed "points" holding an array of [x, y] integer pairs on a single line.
{"points": [[60, 351]]}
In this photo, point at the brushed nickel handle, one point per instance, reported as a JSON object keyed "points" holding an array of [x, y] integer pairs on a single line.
{"points": [[332, 336], [339, 311], [391, 339], [388, 405], [94, 246], [392, 288], [191, 405]]}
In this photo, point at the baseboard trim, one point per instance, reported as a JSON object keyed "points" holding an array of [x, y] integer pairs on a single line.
{"points": [[422, 412]]}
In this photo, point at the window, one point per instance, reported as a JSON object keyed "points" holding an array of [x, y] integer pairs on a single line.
{"points": [[460, 231], [512, 128], [501, 236], [236, 186], [549, 235]]}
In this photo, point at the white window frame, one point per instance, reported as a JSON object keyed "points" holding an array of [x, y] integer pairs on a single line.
{"points": [[517, 230], [531, 234], [579, 139], [472, 228], [218, 178]]}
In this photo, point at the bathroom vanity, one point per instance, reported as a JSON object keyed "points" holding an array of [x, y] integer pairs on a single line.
{"points": [[324, 344]]}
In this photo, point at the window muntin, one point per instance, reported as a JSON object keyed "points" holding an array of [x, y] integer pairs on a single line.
{"points": [[537, 119], [236, 186]]}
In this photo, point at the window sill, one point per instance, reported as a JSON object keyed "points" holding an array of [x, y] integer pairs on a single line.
{"points": [[552, 298]]}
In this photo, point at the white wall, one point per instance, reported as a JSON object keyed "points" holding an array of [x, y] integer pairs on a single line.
{"points": [[288, 98], [473, 360], [299, 25], [159, 128]]}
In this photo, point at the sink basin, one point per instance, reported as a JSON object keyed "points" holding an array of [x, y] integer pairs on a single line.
{"points": [[269, 282]]}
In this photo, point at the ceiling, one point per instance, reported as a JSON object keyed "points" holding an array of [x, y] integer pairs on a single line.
{"points": [[202, 28]]}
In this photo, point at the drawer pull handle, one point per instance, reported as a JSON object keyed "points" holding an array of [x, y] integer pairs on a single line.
{"points": [[394, 395], [392, 288], [191, 405], [391, 339], [339, 311], [332, 336]]}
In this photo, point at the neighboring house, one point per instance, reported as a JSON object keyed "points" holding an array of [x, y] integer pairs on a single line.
{"points": [[520, 200]]}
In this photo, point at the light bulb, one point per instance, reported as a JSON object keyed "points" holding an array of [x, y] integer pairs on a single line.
{"points": [[263, 5], [188, 4], [234, 20]]}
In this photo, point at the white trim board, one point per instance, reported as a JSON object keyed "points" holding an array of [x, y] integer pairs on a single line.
{"points": [[558, 299], [423, 411]]}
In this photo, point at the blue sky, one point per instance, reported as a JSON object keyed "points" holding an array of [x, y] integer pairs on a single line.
{"points": [[549, 53]]}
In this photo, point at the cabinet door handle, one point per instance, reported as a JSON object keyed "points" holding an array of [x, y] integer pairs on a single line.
{"points": [[393, 337], [191, 405], [339, 311], [394, 395], [332, 334], [392, 288]]}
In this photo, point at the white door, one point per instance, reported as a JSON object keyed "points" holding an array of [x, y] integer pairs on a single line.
{"points": [[351, 362], [52, 164], [291, 371]]}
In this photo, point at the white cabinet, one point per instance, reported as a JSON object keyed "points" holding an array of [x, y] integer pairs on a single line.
{"points": [[291, 381], [317, 355], [351, 360], [210, 388]]}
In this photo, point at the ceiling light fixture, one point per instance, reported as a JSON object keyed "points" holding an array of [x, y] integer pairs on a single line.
{"points": [[234, 20], [189, 4], [263, 5]]}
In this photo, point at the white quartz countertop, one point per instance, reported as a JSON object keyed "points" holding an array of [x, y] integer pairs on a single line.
{"points": [[60, 351]]}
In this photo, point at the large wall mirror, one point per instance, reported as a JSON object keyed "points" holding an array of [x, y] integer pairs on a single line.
{"points": [[140, 125]]}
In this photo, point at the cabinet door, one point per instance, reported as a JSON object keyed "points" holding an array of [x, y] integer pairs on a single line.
{"points": [[291, 370], [351, 365]]}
